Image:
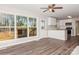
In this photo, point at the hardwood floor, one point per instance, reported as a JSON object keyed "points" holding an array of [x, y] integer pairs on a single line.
{"points": [[45, 46]]}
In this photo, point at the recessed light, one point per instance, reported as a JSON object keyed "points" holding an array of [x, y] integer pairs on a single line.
{"points": [[69, 16]]}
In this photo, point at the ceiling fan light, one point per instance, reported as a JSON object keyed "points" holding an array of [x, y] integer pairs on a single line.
{"points": [[50, 10]]}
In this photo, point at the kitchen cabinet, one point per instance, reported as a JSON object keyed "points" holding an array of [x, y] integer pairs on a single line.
{"points": [[51, 21]]}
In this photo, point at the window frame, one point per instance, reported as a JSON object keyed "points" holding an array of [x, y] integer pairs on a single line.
{"points": [[15, 25]]}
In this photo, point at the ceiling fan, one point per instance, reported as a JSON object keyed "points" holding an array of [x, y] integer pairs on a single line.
{"points": [[51, 8]]}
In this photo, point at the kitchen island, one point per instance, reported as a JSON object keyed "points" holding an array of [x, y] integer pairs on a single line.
{"points": [[58, 34]]}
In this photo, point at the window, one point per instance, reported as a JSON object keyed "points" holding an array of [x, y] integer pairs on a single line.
{"points": [[32, 27], [23, 27], [21, 22], [6, 26]]}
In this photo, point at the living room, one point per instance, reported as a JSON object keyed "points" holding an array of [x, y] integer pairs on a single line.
{"points": [[26, 23]]}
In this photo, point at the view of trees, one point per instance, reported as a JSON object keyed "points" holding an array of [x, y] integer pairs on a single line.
{"points": [[21, 26], [6, 26], [24, 26], [32, 27]]}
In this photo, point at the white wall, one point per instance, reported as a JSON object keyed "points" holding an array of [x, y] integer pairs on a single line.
{"points": [[43, 32]]}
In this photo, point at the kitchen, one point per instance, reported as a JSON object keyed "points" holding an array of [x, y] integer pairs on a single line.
{"points": [[66, 27]]}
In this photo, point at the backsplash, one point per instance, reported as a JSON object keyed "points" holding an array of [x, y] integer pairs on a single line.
{"points": [[52, 27]]}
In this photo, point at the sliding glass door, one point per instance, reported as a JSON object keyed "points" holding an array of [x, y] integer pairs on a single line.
{"points": [[21, 27], [32, 27], [6, 26]]}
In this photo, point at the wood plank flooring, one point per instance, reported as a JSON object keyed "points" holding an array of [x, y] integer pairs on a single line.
{"points": [[45, 46]]}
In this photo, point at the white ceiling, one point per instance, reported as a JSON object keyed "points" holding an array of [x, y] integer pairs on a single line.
{"points": [[68, 9]]}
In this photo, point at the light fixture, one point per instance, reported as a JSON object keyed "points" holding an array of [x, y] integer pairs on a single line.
{"points": [[69, 17], [50, 10]]}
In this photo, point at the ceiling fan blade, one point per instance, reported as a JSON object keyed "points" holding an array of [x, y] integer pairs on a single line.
{"points": [[49, 6], [58, 7], [53, 4], [53, 11], [45, 10]]}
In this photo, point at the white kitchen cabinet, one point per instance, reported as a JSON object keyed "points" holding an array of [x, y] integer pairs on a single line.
{"points": [[51, 21]]}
